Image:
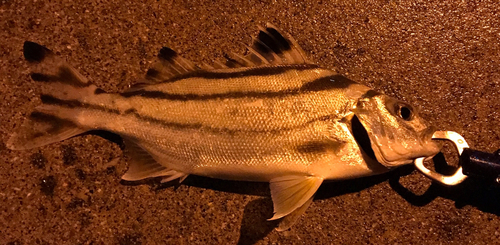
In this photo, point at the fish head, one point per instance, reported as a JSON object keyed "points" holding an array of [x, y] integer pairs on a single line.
{"points": [[397, 134]]}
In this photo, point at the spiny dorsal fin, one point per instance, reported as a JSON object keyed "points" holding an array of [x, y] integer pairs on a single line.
{"points": [[234, 60], [219, 65], [170, 64], [270, 47], [206, 66]]}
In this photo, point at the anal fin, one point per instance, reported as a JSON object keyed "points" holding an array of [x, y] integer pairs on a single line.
{"points": [[142, 166], [290, 193], [289, 220]]}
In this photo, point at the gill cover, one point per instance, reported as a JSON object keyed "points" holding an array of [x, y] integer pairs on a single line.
{"points": [[397, 134]]}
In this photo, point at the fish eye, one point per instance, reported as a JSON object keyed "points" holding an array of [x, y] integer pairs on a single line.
{"points": [[404, 112]]}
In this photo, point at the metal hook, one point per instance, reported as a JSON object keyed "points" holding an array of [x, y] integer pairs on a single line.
{"points": [[458, 177]]}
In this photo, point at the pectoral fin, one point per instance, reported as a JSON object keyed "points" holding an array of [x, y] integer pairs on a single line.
{"points": [[291, 192]]}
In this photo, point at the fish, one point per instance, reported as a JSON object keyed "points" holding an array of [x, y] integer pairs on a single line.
{"points": [[270, 115]]}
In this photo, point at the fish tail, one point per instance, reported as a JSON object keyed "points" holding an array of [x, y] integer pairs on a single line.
{"points": [[50, 122]]}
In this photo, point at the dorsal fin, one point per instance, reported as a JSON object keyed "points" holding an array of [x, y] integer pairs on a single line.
{"points": [[234, 60], [170, 64], [270, 47], [219, 65]]}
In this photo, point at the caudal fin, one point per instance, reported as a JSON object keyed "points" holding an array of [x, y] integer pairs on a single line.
{"points": [[41, 129], [51, 122]]}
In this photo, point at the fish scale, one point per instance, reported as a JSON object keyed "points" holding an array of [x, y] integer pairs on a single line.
{"points": [[271, 115]]}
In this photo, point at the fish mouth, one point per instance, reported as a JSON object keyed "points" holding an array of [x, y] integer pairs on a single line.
{"points": [[434, 145], [427, 134], [360, 134], [429, 147]]}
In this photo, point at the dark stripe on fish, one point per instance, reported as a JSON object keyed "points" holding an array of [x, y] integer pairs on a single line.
{"points": [[200, 126], [254, 71], [370, 93], [318, 146], [321, 84], [51, 100], [55, 122], [44, 117], [327, 83], [65, 75]]}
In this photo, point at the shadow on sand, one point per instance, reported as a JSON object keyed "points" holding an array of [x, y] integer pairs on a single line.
{"points": [[481, 193], [254, 226]]}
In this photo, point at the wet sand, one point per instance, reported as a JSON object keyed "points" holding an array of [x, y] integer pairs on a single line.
{"points": [[441, 57]]}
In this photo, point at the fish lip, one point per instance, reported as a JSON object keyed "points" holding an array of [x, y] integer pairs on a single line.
{"points": [[426, 137], [428, 133]]}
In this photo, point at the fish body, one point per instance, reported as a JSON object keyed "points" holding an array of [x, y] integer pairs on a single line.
{"points": [[272, 126], [271, 116]]}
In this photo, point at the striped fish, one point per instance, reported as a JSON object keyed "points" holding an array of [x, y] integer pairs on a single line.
{"points": [[271, 115]]}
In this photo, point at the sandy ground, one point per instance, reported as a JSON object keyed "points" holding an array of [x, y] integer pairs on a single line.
{"points": [[440, 57]]}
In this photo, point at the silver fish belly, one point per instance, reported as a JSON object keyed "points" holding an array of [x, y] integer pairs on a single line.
{"points": [[271, 115]]}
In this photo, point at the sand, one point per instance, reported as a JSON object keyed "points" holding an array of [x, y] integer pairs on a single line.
{"points": [[440, 56]]}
